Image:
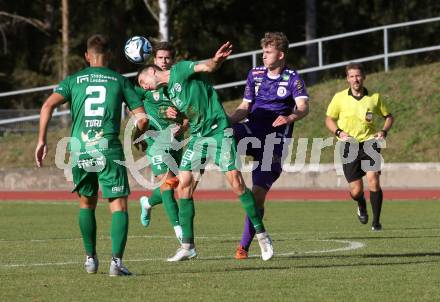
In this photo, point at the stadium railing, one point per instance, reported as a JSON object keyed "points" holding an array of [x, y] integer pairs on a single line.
{"points": [[385, 55]]}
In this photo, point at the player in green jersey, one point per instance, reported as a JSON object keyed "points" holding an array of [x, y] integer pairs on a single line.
{"points": [[159, 152], [95, 95], [211, 137]]}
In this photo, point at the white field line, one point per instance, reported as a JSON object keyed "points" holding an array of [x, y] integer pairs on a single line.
{"points": [[350, 245]]}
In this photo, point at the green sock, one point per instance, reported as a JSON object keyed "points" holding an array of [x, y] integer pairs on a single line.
{"points": [[118, 233], [169, 202], [248, 202], [186, 218], [87, 225], [155, 197]]}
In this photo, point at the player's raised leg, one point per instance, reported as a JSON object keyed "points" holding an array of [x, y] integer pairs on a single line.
{"points": [[170, 204], [147, 203]]}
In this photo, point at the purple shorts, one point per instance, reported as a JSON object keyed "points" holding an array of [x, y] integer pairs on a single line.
{"points": [[267, 149]]}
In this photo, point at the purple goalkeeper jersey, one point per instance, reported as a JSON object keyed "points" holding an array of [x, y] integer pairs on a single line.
{"points": [[271, 97]]}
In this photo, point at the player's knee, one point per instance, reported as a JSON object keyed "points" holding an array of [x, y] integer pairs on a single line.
{"points": [[356, 192], [374, 185], [184, 189], [238, 188], [373, 182], [118, 204], [237, 183]]}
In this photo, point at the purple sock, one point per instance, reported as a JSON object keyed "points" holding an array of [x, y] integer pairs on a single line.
{"points": [[249, 231]]}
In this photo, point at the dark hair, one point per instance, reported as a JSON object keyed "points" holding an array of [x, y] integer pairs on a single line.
{"points": [[277, 40], [98, 43], [164, 46], [144, 69], [354, 65]]}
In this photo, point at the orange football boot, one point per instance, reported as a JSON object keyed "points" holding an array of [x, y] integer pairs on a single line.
{"points": [[241, 253]]}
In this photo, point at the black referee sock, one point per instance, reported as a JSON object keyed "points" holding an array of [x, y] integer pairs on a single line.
{"points": [[376, 204], [360, 200]]}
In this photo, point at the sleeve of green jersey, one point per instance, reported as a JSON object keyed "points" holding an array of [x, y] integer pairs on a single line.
{"points": [[139, 91], [63, 88], [132, 98], [381, 108], [185, 69], [333, 108]]}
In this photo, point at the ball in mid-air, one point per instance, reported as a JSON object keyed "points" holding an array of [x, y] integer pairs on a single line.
{"points": [[137, 49]]}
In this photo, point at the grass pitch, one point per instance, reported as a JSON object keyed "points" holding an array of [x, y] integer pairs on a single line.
{"points": [[323, 254]]}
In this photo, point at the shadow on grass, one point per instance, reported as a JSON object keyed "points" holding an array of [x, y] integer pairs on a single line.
{"points": [[264, 267], [390, 255], [380, 237]]}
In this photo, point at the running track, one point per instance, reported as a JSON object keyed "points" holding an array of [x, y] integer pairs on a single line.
{"points": [[285, 195]]}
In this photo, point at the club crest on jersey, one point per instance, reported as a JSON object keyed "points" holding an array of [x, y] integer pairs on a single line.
{"points": [[91, 137], [156, 95], [369, 116], [177, 87], [282, 91]]}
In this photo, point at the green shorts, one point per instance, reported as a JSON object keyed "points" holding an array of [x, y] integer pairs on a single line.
{"points": [[162, 158], [220, 147], [89, 173]]}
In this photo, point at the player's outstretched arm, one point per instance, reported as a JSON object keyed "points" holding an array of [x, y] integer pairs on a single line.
{"points": [[53, 101], [214, 63]]}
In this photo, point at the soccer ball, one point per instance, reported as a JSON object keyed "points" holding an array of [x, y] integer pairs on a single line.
{"points": [[137, 49]]}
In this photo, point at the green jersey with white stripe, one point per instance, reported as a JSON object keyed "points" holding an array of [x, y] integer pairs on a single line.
{"points": [[96, 95], [194, 96]]}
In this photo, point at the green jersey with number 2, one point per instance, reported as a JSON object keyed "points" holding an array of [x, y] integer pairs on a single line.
{"points": [[96, 95]]}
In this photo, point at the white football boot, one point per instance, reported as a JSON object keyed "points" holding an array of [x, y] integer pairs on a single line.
{"points": [[91, 264], [183, 254], [145, 211], [265, 245], [117, 268]]}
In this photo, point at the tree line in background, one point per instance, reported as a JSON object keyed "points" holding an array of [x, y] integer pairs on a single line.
{"points": [[32, 33]]}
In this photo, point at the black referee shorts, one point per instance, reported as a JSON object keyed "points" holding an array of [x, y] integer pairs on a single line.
{"points": [[357, 161]]}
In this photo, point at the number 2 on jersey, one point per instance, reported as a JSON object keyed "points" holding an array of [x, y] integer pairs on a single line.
{"points": [[100, 99]]}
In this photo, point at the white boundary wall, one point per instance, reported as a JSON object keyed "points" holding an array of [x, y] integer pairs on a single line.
{"points": [[397, 176]]}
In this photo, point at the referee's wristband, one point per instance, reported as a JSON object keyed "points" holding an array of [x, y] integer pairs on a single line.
{"points": [[338, 132]]}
